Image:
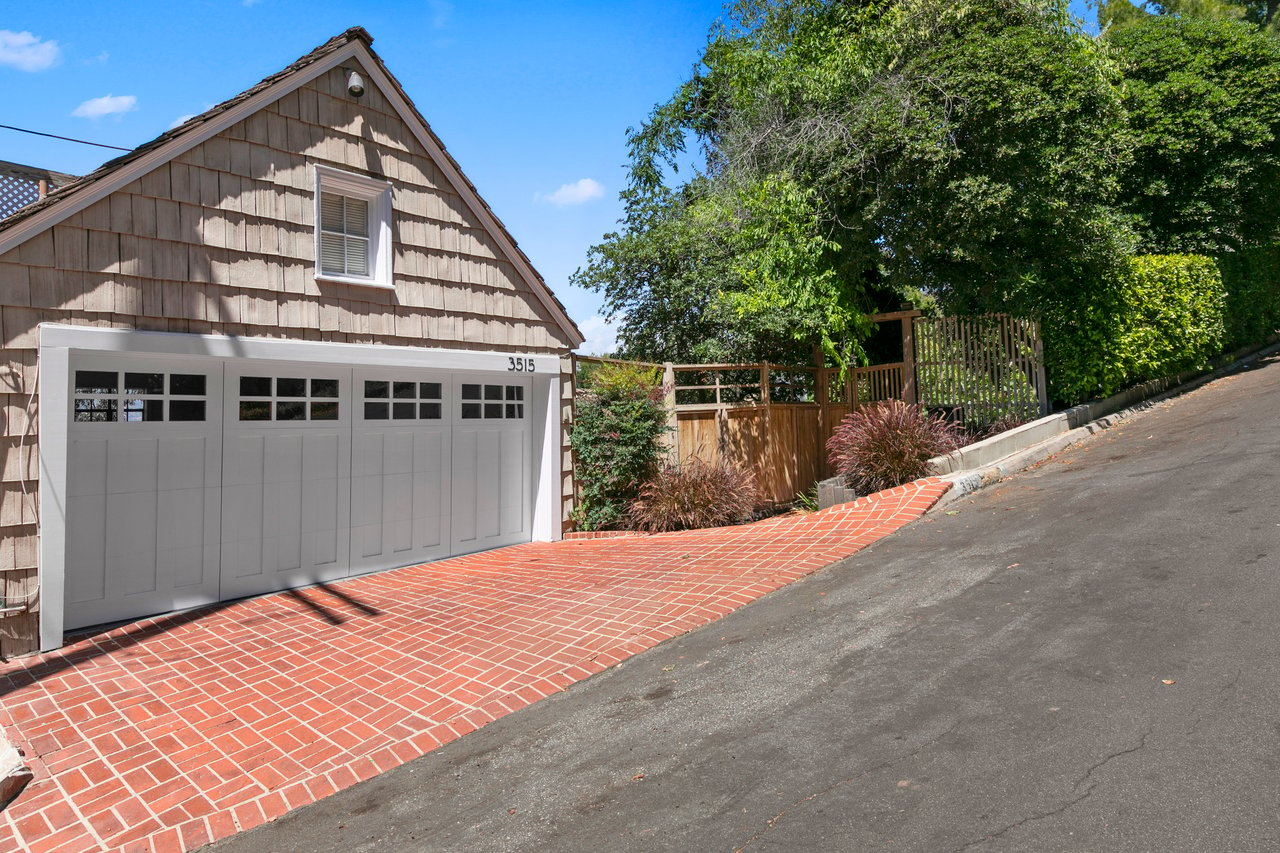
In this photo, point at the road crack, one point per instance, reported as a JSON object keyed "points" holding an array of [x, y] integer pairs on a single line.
{"points": [[1074, 801]]}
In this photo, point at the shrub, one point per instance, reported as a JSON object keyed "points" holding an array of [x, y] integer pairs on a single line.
{"points": [[1251, 278], [619, 424], [888, 444], [1163, 315], [695, 494]]}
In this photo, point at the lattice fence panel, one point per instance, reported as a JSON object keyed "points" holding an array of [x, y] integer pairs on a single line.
{"points": [[16, 193]]}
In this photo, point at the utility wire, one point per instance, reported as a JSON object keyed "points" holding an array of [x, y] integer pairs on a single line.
{"points": [[64, 138]]}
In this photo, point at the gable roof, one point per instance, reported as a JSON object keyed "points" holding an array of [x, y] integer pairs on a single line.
{"points": [[353, 44]]}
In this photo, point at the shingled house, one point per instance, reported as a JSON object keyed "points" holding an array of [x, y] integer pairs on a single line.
{"points": [[285, 342]]}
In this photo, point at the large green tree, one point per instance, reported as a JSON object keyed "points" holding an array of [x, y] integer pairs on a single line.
{"points": [[855, 155], [1263, 15], [1203, 98]]}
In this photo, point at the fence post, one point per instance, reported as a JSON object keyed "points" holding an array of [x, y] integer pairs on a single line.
{"points": [[673, 418], [909, 394]]}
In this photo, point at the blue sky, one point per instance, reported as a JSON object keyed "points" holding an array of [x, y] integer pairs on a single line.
{"points": [[532, 98]]}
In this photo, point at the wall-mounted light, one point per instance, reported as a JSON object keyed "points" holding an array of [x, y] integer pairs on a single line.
{"points": [[355, 85]]}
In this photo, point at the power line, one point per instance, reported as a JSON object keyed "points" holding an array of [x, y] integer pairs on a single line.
{"points": [[64, 138]]}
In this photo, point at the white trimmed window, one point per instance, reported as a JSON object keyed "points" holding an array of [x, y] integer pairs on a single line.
{"points": [[353, 228]]}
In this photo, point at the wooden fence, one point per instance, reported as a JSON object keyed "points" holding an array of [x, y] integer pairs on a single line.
{"points": [[771, 419], [981, 369], [775, 419]]}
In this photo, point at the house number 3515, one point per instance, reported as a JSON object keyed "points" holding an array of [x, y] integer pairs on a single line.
{"points": [[521, 365]]}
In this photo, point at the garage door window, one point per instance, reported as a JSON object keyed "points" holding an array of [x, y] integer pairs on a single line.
{"points": [[111, 396], [492, 402], [390, 399], [287, 398]]}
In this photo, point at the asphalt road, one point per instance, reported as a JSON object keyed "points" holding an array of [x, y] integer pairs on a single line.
{"points": [[1084, 658]]}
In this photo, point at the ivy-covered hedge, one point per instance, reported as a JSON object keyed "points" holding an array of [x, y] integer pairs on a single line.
{"points": [[1163, 315], [1252, 281]]}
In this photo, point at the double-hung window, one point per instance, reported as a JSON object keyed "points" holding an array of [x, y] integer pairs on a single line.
{"points": [[353, 228]]}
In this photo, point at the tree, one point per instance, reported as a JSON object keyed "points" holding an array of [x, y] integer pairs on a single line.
{"points": [[1114, 15], [855, 155], [1203, 97]]}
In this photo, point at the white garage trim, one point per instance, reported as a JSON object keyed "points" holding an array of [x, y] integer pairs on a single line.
{"points": [[127, 341], [59, 343]]}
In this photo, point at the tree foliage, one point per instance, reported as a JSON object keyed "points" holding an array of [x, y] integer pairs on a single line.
{"points": [[854, 155], [1203, 98], [1261, 15]]}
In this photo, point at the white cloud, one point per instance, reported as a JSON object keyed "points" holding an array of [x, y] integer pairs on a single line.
{"points": [[27, 52], [251, 2], [181, 120], [440, 12], [107, 105], [99, 59], [601, 336], [579, 192]]}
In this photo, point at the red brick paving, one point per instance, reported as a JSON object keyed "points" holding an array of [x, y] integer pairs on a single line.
{"points": [[168, 733]]}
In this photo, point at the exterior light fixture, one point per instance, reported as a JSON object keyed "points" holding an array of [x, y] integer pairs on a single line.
{"points": [[355, 85]]}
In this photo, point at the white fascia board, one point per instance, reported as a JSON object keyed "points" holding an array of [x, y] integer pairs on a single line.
{"points": [[177, 146], [463, 188], [126, 341]]}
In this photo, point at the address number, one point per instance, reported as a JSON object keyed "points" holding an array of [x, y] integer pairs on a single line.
{"points": [[520, 365]]}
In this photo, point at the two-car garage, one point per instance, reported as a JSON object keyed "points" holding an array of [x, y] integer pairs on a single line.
{"points": [[185, 470]]}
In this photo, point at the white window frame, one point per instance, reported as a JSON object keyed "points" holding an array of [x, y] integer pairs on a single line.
{"points": [[378, 194]]}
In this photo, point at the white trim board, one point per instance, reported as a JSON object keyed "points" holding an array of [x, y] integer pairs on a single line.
{"points": [[123, 341]]}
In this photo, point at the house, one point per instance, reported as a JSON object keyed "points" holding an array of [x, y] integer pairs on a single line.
{"points": [[283, 343]]}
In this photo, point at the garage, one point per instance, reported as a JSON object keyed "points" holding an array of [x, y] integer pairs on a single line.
{"points": [[284, 342], [195, 479]]}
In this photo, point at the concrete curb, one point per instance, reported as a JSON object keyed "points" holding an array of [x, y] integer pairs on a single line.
{"points": [[985, 462]]}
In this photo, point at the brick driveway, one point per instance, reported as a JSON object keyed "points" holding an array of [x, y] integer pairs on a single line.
{"points": [[168, 733]]}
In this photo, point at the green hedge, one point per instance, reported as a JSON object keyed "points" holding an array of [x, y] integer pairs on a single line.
{"points": [[1163, 315], [1252, 281]]}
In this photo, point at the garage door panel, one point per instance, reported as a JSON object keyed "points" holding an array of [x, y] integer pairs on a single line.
{"points": [[491, 484], [282, 503], [366, 495], [488, 483], [465, 471], [399, 468], [511, 491], [132, 465], [87, 460], [181, 518], [291, 430], [431, 482], [242, 460], [87, 545], [182, 463], [131, 541]]}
